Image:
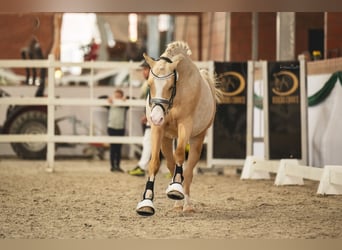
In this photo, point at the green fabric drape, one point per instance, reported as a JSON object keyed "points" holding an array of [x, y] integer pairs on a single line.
{"points": [[325, 91], [258, 101], [316, 98]]}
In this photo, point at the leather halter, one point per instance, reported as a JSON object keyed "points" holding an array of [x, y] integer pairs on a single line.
{"points": [[153, 102]]}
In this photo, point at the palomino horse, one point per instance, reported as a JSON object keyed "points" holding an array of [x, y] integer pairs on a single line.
{"points": [[181, 105]]}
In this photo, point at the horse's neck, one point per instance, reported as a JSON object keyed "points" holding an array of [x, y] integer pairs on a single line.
{"points": [[194, 99], [187, 70], [189, 83]]}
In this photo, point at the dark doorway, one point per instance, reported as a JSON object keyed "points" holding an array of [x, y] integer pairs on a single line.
{"points": [[316, 41]]}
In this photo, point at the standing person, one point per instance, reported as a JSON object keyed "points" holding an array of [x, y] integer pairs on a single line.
{"points": [[140, 169], [34, 51], [116, 127]]}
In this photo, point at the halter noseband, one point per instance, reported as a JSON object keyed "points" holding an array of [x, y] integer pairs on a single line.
{"points": [[153, 102]]}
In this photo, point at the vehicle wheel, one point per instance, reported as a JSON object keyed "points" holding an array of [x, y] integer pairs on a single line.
{"points": [[31, 122]]}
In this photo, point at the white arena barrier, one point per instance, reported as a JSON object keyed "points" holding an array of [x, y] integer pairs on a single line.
{"points": [[331, 180], [290, 172], [258, 168]]}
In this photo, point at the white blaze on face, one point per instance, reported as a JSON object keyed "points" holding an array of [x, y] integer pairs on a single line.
{"points": [[157, 113]]}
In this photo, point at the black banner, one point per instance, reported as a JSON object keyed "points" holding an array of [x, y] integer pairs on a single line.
{"points": [[230, 127], [284, 110]]}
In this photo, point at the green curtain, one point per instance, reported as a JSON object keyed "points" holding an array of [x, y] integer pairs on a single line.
{"points": [[316, 98], [258, 101], [325, 91]]}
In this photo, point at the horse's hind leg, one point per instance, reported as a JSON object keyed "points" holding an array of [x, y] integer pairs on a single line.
{"points": [[196, 145]]}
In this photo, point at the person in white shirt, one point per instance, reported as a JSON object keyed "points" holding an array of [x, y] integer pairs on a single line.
{"points": [[141, 168]]}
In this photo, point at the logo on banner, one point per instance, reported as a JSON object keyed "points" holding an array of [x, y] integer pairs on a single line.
{"points": [[285, 84], [232, 85]]}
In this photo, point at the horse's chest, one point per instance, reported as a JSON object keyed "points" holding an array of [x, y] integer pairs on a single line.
{"points": [[171, 131]]}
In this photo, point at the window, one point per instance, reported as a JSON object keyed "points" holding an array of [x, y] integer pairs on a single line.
{"points": [[77, 30]]}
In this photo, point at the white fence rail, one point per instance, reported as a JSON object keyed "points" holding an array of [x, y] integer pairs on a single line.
{"points": [[51, 101]]}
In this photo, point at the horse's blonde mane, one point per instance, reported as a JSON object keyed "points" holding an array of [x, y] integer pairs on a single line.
{"points": [[181, 47], [176, 48]]}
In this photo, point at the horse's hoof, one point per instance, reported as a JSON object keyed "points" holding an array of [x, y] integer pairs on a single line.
{"points": [[175, 191], [177, 208], [188, 209], [145, 208]]}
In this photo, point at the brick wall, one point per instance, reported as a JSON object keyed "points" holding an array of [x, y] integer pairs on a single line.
{"points": [[267, 36], [213, 34], [16, 31], [304, 22], [334, 34], [216, 42], [241, 36], [187, 29]]}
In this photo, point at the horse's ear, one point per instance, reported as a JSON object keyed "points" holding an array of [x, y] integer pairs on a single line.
{"points": [[175, 60], [149, 60]]}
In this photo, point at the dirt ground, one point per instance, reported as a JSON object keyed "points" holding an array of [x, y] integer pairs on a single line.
{"points": [[82, 199]]}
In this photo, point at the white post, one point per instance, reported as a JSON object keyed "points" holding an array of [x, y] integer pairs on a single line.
{"points": [[210, 143], [303, 111], [265, 108], [250, 108], [91, 122], [130, 112], [51, 115]]}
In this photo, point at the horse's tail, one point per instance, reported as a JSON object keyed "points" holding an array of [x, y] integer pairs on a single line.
{"points": [[213, 82]]}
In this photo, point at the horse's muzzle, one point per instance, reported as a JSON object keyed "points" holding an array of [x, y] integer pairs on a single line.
{"points": [[157, 115]]}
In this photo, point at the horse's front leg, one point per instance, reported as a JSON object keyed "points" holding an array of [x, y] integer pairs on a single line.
{"points": [[175, 189], [145, 206]]}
